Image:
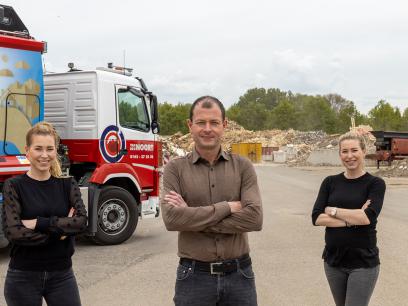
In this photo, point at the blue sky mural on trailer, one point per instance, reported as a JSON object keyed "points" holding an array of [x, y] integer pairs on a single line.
{"points": [[20, 72]]}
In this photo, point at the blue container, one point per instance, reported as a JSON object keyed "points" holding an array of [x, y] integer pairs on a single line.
{"points": [[1, 198]]}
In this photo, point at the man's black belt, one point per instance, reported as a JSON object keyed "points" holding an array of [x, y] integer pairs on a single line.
{"points": [[220, 267]]}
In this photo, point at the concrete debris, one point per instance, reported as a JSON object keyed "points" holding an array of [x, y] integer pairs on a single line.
{"points": [[171, 145], [398, 168], [295, 145]]}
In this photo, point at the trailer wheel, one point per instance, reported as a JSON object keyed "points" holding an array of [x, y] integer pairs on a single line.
{"points": [[117, 216]]}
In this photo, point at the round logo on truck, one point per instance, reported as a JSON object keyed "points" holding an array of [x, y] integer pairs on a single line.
{"points": [[111, 143]]}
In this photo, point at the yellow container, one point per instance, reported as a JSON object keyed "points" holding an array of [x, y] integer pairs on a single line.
{"points": [[252, 151]]}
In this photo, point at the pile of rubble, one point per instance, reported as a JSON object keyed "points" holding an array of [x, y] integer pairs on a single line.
{"points": [[398, 168], [297, 144], [171, 145]]}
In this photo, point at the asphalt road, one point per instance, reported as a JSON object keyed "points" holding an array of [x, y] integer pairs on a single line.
{"points": [[286, 253]]}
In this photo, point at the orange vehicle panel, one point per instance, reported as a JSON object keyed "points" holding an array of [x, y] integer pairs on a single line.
{"points": [[399, 146]]}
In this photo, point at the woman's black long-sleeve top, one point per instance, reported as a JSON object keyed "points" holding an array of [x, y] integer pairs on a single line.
{"points": [[44, 248], [356, 246]]}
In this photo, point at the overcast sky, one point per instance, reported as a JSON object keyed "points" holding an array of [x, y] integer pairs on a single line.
{"points": [[186, 49]]}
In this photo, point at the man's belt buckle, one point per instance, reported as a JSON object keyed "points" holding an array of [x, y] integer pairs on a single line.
{"points": [[215, 264]]}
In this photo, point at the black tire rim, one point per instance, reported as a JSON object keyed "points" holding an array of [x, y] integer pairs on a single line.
{"points": [[113, 216]]}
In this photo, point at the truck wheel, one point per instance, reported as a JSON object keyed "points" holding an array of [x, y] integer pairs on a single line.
{"points": [[117, 216]]}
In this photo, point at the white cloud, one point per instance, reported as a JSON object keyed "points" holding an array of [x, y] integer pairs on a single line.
{"points": [[184, 49]]}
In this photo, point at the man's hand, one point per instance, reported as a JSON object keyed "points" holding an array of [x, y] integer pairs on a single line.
{"points": [[173, 198], [235, 206], [366, 204], [29, 223]]}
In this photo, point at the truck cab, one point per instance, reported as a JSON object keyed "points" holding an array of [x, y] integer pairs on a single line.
{"points": [[108, 124]]}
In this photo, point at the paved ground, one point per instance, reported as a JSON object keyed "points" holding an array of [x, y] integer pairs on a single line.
{"points": [[286, 253]]}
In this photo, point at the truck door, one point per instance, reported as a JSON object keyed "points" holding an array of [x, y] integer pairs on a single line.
{"points": [[134, 122]]}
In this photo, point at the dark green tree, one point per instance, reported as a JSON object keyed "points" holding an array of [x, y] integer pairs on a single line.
{"points": [[338, 103], [268, 97], [385, 117], [404, 121], [343, 118], [252, 116], [283, 116], [315, 113], [173, 118], [234, 113]]}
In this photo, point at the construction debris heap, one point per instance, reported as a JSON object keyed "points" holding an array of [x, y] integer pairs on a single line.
{"points": [[298, 144]]}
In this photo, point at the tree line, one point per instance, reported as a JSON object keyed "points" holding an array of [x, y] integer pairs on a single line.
{"points": [[265, 109]]}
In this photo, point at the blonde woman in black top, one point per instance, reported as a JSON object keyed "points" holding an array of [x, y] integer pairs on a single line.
{"points": [[41, 214], [348, 205]]}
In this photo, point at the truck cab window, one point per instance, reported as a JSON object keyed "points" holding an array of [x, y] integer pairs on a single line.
{"points": [[132, 111]]}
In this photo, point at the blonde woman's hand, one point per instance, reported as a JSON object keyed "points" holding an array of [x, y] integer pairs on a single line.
{"points": [[70, 214], [366, 204], [29, 223], [328, 210]]}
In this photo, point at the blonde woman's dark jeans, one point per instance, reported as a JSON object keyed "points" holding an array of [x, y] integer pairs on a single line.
{"points": [[28, 288]]}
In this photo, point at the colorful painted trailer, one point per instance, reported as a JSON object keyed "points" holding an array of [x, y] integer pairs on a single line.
{"points": [[21, 92]]}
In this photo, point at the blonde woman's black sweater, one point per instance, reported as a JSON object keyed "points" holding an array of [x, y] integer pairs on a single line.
{"points": [[50, 245], [356, 246]]}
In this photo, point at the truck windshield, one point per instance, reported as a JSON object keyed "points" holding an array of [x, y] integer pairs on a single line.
{"points": [[132, 111]]}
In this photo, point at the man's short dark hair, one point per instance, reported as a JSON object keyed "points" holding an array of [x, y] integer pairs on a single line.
{"points": [[207, 102]]}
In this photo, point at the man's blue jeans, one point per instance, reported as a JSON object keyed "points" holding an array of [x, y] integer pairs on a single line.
{"points": [[197, 288], [27, 288]]}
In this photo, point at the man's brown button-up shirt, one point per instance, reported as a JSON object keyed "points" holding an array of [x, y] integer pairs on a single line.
{"points": [[207, 229]]}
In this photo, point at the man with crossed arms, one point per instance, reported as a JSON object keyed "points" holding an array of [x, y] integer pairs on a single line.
{"points": [[212, 199]]}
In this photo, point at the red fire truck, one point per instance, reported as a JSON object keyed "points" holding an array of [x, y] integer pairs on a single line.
{"points": [[108, 124]]}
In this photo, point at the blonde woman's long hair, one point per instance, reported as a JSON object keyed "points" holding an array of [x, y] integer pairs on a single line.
{"points": [[46, 129]]}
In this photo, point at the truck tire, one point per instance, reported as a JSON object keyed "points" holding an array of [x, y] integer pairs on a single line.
{"points": [[117, 216]]}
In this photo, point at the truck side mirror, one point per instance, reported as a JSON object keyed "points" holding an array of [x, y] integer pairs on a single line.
{"points": [[155, 114], [155, 127]]}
